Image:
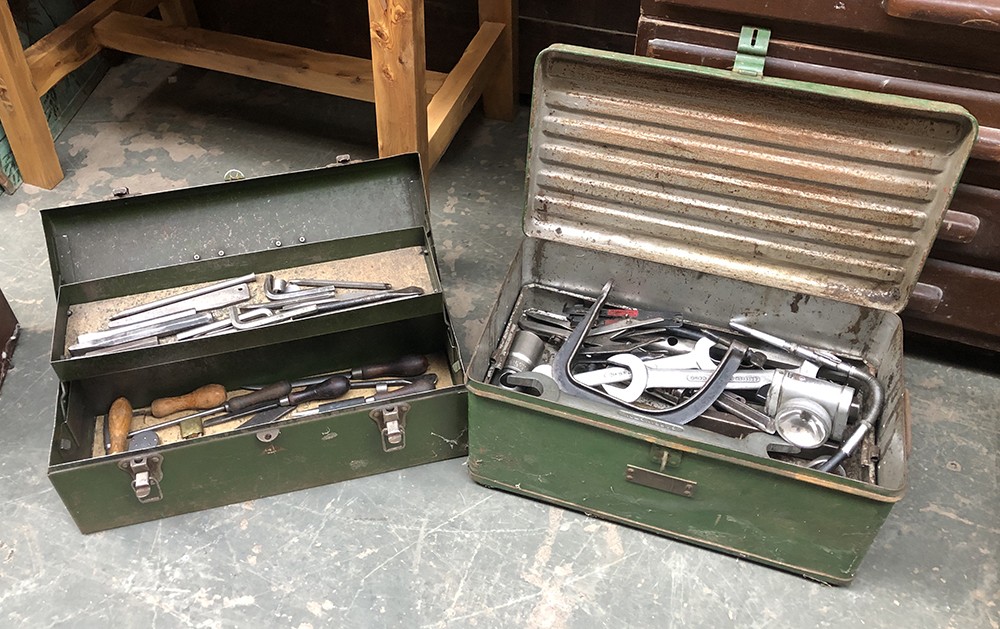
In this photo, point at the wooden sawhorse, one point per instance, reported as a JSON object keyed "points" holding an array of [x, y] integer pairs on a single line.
{"points": [[416, 110]]}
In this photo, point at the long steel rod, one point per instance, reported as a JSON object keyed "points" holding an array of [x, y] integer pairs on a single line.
{"points": [[204, 290]]}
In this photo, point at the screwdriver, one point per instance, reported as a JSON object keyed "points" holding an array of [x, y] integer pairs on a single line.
{"points": [[202, 398], [409, 365], [403, 367], [119, 421], [332, 387], [261, 416], [267, 394], [419, 385]]}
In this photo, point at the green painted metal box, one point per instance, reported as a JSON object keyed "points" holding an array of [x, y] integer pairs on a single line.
{"points": [[360, 221], [807, 209]]}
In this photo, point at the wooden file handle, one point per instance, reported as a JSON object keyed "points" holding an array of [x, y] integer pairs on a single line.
{"points": [[202, 398], [119, 422]]}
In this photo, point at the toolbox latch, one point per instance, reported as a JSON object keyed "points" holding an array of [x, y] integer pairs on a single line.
{"points": [[391, 422], [751, 51], [146, 472]]}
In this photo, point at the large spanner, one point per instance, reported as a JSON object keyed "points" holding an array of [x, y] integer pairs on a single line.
{"points": [[662, 374], [698, 358], [682, 413], [644, 376]]}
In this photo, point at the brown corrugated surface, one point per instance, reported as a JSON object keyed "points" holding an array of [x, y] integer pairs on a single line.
{"points": [[774, 183]]}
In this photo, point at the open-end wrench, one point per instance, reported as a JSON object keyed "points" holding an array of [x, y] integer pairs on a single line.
{"points": [[697, 358], [644, 377], [682, 413]]}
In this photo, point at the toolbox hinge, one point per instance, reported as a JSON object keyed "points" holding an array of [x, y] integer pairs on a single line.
{"points": [[391, 422], [146, 473], [751, 51]]}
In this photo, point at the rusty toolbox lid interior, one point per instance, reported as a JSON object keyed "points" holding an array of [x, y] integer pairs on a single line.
{"points": [[210, 223], [810, 188]]}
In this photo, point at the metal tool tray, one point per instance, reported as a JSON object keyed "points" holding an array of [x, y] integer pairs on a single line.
{"points": [[183, 237], [806, 208]]}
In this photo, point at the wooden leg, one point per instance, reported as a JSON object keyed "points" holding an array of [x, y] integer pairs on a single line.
{"points": [[397, 33], [179, 13], [21, 111], [500, 95]]}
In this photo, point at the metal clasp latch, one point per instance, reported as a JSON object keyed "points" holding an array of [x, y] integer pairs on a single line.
{"points": [[391, 422], [146, 472], [751, 51]]}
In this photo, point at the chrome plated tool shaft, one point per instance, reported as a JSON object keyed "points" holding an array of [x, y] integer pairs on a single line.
{"points": [[211, 288]]}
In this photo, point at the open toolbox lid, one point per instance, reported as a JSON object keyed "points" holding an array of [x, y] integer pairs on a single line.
{"points": [[811, 188], [216, 222]]}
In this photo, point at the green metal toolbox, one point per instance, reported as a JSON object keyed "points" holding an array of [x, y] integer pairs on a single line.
{"points": [[805, 209], [363, 221]]}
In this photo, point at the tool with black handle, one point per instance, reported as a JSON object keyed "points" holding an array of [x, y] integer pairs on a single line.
{"points": [[419, 385], [409, 365], [331, 388], [271, 413], [234, 405], [403, 367]]}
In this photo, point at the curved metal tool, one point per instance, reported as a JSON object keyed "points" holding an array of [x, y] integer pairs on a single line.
{"points": [[275, 290], [536, 384], [682, 413]]}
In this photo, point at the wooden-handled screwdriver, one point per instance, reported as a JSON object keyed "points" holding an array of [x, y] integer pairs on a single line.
{"points": [[119, 422], [267, 394], [202, 398]]}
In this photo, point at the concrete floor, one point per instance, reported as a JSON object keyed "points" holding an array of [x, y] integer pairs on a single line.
{"points": [[426, 546]]}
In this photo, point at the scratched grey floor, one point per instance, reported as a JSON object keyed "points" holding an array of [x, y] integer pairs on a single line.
{"points": [[424, 547]]}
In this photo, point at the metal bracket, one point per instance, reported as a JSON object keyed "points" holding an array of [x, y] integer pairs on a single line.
{"points": [[391, 422], [663, 482], [269, 435], [664, 457], [146, 472], [751, 51]]}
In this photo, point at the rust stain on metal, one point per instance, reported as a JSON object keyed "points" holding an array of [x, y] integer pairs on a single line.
{"points": [[794, 306], [800, 189]]}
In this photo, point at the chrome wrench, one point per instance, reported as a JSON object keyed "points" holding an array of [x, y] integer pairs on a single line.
{"points": [[697, 358], [682, 413]]}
